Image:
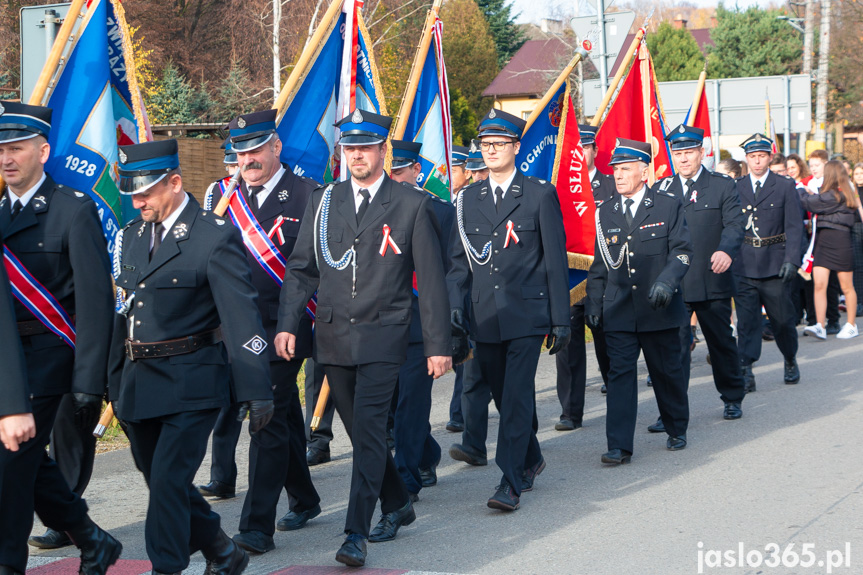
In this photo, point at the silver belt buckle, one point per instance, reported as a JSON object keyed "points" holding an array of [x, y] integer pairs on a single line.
{"points": [[129, 351], [756, 242]]}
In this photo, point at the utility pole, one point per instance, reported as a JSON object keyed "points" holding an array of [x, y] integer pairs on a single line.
{"points": [[277, 62], [823, 59], [603, 61], [808, 35]]}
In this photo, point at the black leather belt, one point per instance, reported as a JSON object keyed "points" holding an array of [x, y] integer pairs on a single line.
{"points": [[136, 350], [34, 327], [763, 242]]}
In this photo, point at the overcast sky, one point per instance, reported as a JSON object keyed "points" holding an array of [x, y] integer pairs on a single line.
{"points": [[535, 10]]}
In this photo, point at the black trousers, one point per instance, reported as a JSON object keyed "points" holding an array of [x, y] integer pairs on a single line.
{"points": [[226, 434], [31, 481], [662, 354], [714, 317], [571, 364], [73, 448], [362, 395], [277, 456], [475, 396], [168, 450], [415, 447], [320, 438], [455, 403], [510, 369], [750, 295]]}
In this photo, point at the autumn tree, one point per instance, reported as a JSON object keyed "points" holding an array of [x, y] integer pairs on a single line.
{"points": [[675, 53]]}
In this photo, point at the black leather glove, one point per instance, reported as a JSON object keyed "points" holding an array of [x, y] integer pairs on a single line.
{"points": [[557, 339], [260, 413], [458, 322], [459, 349], [787, 272], [660, 295], [88, 407], [593, 321]]}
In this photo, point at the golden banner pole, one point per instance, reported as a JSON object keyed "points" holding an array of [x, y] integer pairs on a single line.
{"points": [[699, 89], [630, 53], [580, 54]]}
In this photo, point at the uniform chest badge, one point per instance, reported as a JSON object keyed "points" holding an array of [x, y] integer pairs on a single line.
{"points": [[180, 230], [684, 259], [388, 242], [284, 195], [613, 240], [645, 226]]}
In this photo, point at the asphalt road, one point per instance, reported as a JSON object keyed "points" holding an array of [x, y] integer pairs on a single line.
{"points": [[790, 471]]}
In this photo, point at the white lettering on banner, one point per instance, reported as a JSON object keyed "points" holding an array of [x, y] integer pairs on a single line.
{"points": [[299, 171], [536, 152], [580, 208], [115, 46], [364, 64]]}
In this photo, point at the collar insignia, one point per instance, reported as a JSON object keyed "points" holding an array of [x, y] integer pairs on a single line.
{"points": [[594, 184], [284, 195], [648, 202], [180, 230], [2, 201], [616, 206], [141, 229]]}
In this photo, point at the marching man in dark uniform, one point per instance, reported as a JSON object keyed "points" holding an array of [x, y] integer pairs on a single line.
{"points": [[226, 433], [571, 362], [269, 207], [185, 304], [509, 254], [475, 165], [712, 207], [55, 245], [359, 244], [417, 454], [642, 254], [768, 260]]}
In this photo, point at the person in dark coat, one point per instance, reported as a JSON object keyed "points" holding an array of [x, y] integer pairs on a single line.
{"points": [[54, 240], [185, 304], [768, 259], [508, 251], [712, 207], [642, 251], [359, 244]]}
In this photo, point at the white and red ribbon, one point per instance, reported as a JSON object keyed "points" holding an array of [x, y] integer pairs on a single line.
{"points": [[277, 229], [388, 242], [510, 233]]}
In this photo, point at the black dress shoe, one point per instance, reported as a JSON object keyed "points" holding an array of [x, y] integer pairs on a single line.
{"points": [[51, 540], [676, 443], [566, 424], [353, 551], [657, 427], [454, 426], [6, 570], [254, 541], [504, 498], [316, 457], [649, 381], [389, 524], [428, 477], [98, 549], [217, 489], [833, 328], [732, 410], [294, 520], [604, 389], [529, 475], [414, 497], [616, 456], [792, 372], [460, 452], [224, 556], [748, 378]]}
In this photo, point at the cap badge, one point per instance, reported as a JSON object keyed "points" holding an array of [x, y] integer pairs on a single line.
{"points": [[473, 148], [357, 117], [757, 137], [681, 129], [241, 122], [123, 156], [2, 109], [492, 114]]}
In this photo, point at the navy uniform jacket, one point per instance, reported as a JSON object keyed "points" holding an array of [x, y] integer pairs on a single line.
{"points": [[775, 212], [524, 288], [716, 223], [198, 280], [288, 199], [445, 214], [59, 239], [373, 326], [603, 187], [659, 251], [14, 392]]}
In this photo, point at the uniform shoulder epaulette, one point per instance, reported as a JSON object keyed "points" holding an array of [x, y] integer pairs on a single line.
{"points": [[537, 180], [665, 184], [212, 219], [721, 175], [434, 197], [311, 182], [132, 222], [72, 193], [473, 185]]}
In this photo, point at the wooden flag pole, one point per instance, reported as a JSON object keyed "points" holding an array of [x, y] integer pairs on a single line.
{"points": [[580, 54], [630, 53], [699, 89], [416, 72], [321, 405], [303, 63]]}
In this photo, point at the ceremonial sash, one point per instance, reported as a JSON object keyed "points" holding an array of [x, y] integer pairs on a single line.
{"points": [[259, 243], [37, 299]]}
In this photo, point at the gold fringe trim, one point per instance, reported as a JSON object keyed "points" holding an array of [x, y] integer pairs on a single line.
{"points": [[560, 134], [578, 262], [131, 70], [578, 293]]}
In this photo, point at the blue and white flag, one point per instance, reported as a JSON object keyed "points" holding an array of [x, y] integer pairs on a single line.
{"points": [[539, 142]]}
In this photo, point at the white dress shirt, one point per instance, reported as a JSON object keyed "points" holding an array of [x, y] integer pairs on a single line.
{"points": [[373, 189], [502, 185]]}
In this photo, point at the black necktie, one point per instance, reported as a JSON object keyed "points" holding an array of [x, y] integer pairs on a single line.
{"points": [[498, 193], [16, 208], [690, 184], [157, 239], [628, 211], [364, 205], [253, 195], [757, 189]]}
